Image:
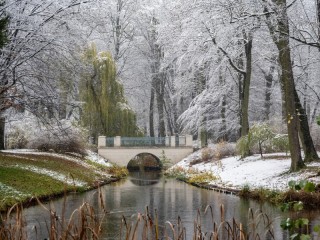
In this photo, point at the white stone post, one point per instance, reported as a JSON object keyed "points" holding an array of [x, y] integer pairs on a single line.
{"points": [[117, 141], [167, 141], [182, 141], [173, 141], [189, 142], [102, 141]]}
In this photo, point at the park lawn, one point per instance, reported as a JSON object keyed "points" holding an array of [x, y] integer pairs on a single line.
{"points": [[60, 164], [24, 176]]}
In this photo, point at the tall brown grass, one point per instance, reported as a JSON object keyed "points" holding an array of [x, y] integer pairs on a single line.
{"points": [[84, 223], [147, 227]]}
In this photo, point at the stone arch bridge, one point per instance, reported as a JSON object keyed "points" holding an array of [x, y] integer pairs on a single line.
{"points": [[120, 150]]}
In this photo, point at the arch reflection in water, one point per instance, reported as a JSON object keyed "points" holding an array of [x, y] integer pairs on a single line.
{"points": [[143, 178], [144, 161]]}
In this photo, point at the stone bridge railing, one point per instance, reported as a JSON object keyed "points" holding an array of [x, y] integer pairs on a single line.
{"points": [[169, 141]]}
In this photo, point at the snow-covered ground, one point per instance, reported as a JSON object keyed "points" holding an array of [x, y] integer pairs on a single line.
{"points": [[270, 172]]}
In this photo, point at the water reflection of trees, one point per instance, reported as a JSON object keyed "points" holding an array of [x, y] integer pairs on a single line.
{"points": [[143, 178]]}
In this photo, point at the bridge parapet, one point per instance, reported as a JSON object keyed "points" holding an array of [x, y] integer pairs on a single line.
{"points": [[168, 141]]}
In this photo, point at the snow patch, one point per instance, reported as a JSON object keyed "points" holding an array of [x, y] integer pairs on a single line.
{"points": [[55, 175], [253, 171]]}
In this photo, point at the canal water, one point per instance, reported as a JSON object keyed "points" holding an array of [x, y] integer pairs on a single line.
{"points": [[170, 198]]}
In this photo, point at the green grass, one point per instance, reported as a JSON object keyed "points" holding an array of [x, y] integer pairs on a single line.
{"points": [[21, 184], [53, 163], [30, 182], [23, 176]]}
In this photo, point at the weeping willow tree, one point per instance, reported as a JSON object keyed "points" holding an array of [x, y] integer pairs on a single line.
{"points": [[105, 110]]}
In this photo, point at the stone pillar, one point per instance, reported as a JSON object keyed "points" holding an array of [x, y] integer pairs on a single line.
{"points": [[117, 141], [167, 141], [189, 142], [182, 141], [173, 141], [102, 141]]}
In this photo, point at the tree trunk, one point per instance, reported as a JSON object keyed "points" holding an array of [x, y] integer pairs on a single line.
{"points": [[283, 101], [318, 18], [160, 105], [289, 87], [267, 96], [223, 129], [2, 127], [246, 86], [151, 112], [314, 112], [304, 132], [240, 90]]}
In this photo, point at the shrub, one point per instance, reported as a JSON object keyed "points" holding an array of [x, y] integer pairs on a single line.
{"points": [[16, 138], [61, 140], [118, 172], [202, 178], [262, 139], [195, 161], [280, 143], [224, 149], [261, 134], [244, 146], [165, 162], [176, 172], [206, 154]]}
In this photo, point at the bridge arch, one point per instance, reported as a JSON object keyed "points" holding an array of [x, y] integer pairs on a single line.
{"points": [[146, 161]]}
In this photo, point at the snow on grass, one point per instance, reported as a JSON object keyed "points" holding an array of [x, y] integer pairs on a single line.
{"points": [[10, 192], [271, 172], [94, 157], [91, 156], [55, 175]]}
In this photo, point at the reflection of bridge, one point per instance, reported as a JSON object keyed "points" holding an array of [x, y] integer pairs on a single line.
{"points": [[121, 150]]}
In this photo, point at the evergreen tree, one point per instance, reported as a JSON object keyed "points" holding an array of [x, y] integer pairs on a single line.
{"points": [[105, 110]]}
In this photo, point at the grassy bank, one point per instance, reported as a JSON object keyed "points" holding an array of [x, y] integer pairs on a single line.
{"points": [[24, 176]]}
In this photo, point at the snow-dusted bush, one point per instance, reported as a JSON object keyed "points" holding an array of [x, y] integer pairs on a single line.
{"points": [[261, 135], [224, 149], [206, 154], [259, 139], [64, 138], [16, 138], [280, 143], [244, 145]]}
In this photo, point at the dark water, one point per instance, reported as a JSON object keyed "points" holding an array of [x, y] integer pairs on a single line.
{"points": [[171, 198]]}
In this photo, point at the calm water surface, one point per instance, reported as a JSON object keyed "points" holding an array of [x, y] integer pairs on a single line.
{"points": [[171, 198]]}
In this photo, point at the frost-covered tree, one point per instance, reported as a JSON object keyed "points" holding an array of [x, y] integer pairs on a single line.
{"points": [[38, 34]]}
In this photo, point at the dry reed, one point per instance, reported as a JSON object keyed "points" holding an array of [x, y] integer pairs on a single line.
{"points": [[85, 224], [82, 224], [147, 228]]}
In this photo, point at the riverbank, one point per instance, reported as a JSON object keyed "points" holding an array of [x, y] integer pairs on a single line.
{"points": [[251, 176], [27, 174]]}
